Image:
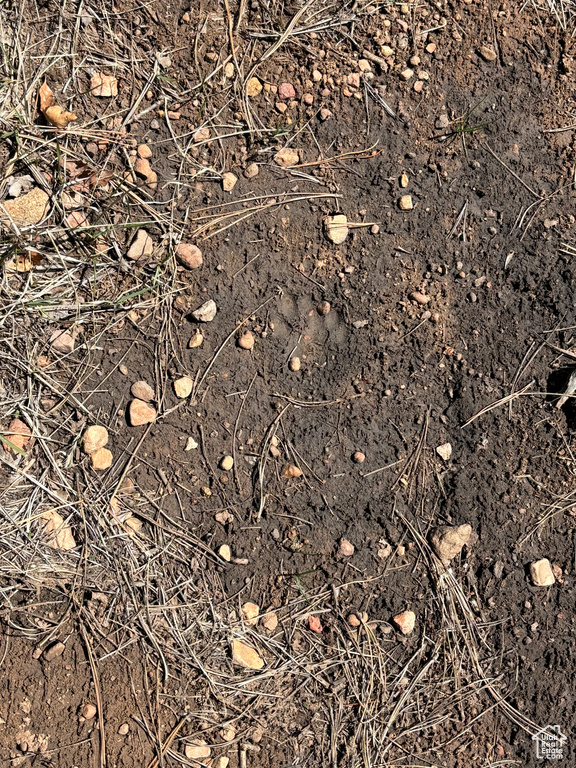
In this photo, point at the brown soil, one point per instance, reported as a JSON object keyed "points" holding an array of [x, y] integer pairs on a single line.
{"points": [[380, 373]]}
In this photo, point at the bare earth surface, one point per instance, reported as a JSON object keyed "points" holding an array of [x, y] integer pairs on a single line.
{"points": [[435, 313]]}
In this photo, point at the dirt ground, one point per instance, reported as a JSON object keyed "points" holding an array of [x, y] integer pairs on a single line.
{"points": [[436, 313]]}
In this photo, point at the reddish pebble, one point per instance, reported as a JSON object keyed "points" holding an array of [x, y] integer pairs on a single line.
{"points": [[358, 457], [286, 91]]}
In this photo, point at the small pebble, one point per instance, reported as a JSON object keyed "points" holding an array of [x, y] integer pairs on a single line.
{"points": [[141, 413], [323, 308], [144, 151], [290, 470], [346, 548], [405, 622], [405, 203], [487, 53], [95, 437], [54, 651], [250, 612], [294, 364], [142, 246], [358, 457], [124, 729], [407, 74], [229, 180], [419, 297], [206, 313], [444, 451], [286, 91], [270, 621], [226, 463], [225, 553], [188, 255], [195, 340], [143, 391], [101, 459], [251, 170], [541, 573], [183, 387], [89, 711], [404, 180]]}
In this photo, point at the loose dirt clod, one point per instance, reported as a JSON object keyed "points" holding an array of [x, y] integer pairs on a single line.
{"points": [[444, 451], [323, 308], [189, 256], [141, 413], [206, 313], [183, 387], [405, 203], [251, 611], [226, 463], [541, 573], [405, 622], [346, 548], [246, 340], [269, 621], [101, 459], [143, 391], [290, 470], [246, 656], [62, 342], [95, 437], [419, 298], [336, 228], [448, 540]]}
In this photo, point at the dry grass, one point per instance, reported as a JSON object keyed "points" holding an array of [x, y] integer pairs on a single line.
{"points": [[376, 702]]}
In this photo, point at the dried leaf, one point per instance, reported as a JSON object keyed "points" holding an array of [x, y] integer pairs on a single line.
{"points": [[46, 97], [25, 262], [53, 113], [58, 118]]}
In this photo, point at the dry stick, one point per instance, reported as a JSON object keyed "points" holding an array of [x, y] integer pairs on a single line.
{"points": [[155, 762], [226, 340], [129, 462], [96, 678], [502, 401], [264, 456]]}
